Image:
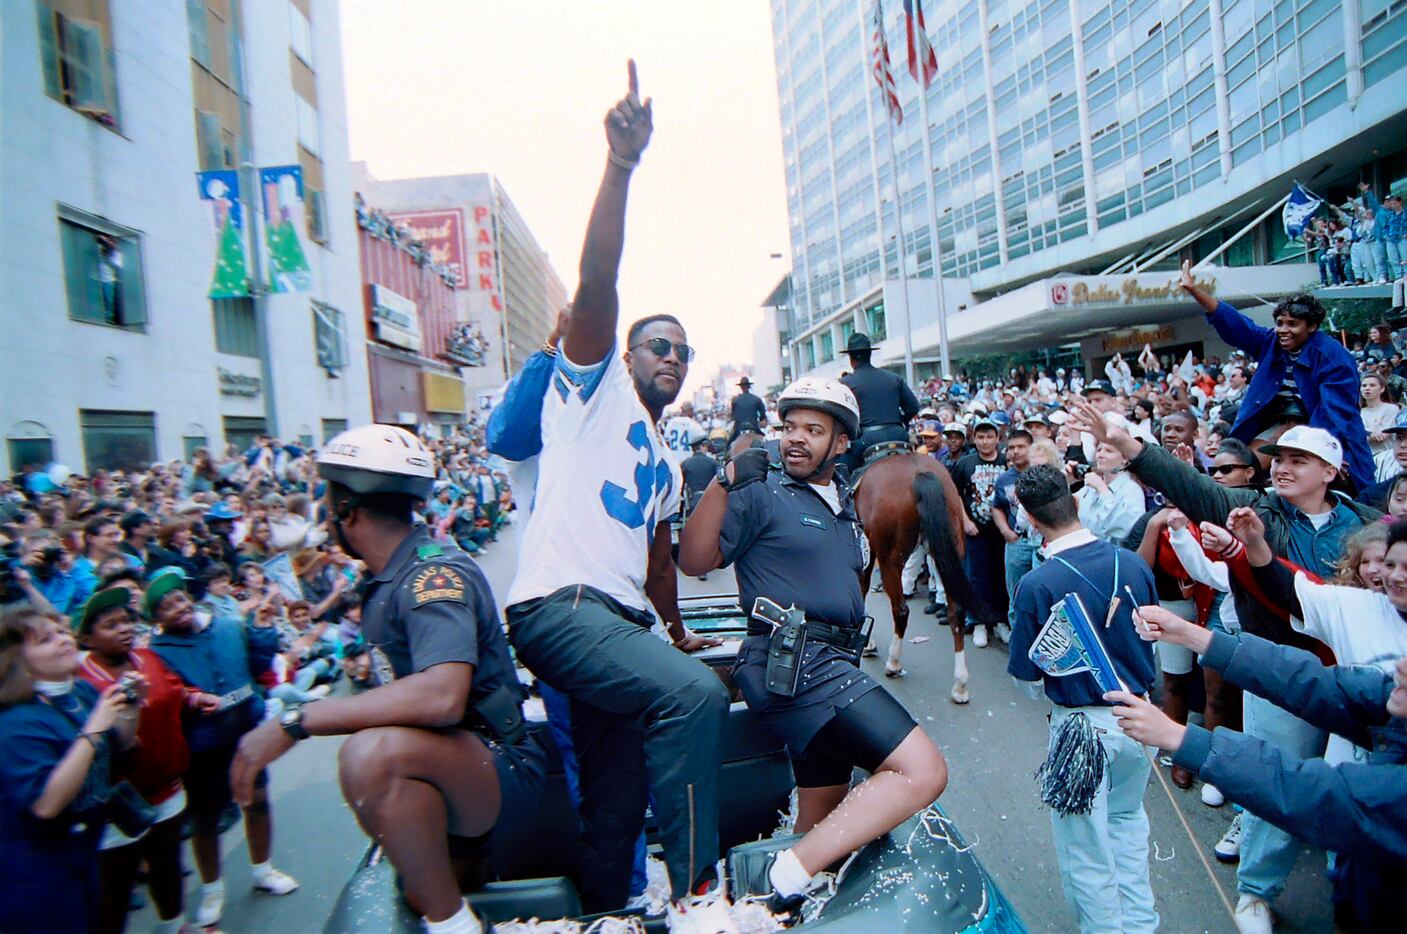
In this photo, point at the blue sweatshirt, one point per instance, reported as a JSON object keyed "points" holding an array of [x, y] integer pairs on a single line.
{"points": [[222, 659]]}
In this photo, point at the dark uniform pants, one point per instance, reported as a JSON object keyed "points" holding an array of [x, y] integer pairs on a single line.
{"points": [[645, 718], [875, 434]]}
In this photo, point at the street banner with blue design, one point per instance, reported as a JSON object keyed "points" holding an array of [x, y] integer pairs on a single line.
{"points": [[230, 277], [283, 219]]}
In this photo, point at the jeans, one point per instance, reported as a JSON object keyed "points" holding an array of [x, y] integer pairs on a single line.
{"points": [[1365, 268], [1330, 270], [646, 719], [1267, 852], [1396, 265], [296, 691], [559, 721], [1103, 855], [1018, 563], [984, 567]]}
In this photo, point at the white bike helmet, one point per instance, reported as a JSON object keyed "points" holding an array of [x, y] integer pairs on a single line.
{"points": [[379, 459], [695, 434], [826, 395]]}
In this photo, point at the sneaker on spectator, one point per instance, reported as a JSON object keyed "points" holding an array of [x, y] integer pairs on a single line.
{"points": [[979, 636], [1228, 848], [1253, 915], [1212, 796], [274, 882], [1004, 633], [212, 906]]}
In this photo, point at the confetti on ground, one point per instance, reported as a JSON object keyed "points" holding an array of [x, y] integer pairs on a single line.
{"points": [[917, 639]]}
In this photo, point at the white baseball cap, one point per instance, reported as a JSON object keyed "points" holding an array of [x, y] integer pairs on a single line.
{"points": [[1314, 441]]}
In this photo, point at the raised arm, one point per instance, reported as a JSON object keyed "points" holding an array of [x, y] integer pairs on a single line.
{"points": [[1200, 295], [592, 329]]}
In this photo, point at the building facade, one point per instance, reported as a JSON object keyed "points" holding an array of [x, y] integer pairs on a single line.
{"points": [[1086, 137], [509, 294], [114, 354], [416, 343]]}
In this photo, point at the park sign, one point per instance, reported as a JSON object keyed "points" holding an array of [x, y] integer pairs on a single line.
{"points": [[1123, 290]]}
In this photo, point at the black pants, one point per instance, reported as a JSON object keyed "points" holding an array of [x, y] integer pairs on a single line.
{"points": [[875, 434], [640, 709]]}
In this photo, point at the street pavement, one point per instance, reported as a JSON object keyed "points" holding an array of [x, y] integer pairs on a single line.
{"points": [[993, 746]]}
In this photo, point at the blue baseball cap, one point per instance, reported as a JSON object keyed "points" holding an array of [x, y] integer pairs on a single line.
{"points": [[221, 511]]}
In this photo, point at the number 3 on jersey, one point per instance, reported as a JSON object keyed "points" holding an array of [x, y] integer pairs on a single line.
{"points": [[650, 477]]}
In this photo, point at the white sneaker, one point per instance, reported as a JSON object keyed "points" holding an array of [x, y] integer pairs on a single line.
{"points": [[275, 882], [1212, 796], [706, 914], [1004, 633], [1228, 848], [979, 637], [212, 906], [1253, 916]]}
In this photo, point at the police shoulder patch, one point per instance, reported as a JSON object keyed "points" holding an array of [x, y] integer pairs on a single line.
{"points": [[436, 582]]}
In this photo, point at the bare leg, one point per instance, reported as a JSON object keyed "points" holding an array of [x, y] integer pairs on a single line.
{"points": [[908, 781], [410, 789], [259, 827], [814, 804], [205, 844]]}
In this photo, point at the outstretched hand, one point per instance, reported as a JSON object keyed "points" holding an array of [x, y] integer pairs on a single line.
{"points": [[629, 123], [1144, 722], [1249, 529], [1159, 624], [1189, 285]]}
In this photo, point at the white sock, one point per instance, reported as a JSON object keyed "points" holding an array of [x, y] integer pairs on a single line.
{"points": [[788, 876], [260, 870], [213, 888], [461, 922]]}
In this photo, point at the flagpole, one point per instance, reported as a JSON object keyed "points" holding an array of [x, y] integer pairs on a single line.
{"points": [[903, 274], [935, 246]]}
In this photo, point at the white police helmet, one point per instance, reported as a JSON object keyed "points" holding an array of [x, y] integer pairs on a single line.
{"points": [[825, 395], [379, 459]]}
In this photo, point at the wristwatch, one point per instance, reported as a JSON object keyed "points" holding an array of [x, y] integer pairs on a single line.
{"points": [[292, 722]]}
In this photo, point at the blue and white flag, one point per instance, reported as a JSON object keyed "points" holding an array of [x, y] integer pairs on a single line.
{"points": [[1069, 644], [1298, 210]]}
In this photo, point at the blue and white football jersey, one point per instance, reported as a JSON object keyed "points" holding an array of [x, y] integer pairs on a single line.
{"points": [[605, 479]]}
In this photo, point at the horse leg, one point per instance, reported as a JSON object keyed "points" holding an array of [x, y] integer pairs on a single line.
{"points": [[959, 693], [890, 569]]}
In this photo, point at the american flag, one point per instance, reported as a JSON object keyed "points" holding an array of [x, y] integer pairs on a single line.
{"points": [[880, 67], [920, 49]]}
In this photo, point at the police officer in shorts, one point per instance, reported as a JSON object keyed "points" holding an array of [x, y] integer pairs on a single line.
{"points": [[438, 750], [794, 539]]}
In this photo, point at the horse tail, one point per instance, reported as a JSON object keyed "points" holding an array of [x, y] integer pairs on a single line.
{"points": [[938, 534]]}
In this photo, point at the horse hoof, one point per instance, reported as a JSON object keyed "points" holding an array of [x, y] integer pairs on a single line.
{"points": [[961, 696], [894, 672]]}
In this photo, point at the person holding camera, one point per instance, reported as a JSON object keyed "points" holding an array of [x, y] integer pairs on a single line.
{"points": [[59, 737], [154, 766], [48, 580]]}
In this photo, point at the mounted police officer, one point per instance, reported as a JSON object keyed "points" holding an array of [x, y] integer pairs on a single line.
{"points": [[438, 749], [886, 402], [794, 539], [749, 413]]}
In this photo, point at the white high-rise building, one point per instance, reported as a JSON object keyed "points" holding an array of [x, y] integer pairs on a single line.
{"points": [[1079, 150], [113, 353]]}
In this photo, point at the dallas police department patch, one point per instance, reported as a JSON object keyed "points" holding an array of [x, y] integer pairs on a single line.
{"points": [[437, 582]]}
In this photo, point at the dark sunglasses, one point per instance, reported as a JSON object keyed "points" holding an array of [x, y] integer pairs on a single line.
{"points": [[660, 346], [1227, 468]]}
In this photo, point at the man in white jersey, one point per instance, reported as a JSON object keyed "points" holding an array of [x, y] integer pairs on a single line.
{"points": [[596, 548], [682, 432]]}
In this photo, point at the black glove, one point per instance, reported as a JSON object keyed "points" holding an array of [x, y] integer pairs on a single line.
{"points": [[748, 467]]}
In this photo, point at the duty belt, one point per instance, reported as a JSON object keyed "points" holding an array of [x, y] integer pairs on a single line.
{"points": [[849, 639]]}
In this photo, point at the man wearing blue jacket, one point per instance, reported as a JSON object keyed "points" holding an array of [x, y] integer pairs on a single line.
{"points": [[1357, 811], [1297, 360]]}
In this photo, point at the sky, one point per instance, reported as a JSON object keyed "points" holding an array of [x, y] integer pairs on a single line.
{"points": [[520, 90]]}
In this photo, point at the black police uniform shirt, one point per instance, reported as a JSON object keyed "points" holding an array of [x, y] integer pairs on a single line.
{"points": [[699, 470], [883, 397], [976, 480], [747, 409], [1046, 585], [787, 544], [431, 605]]}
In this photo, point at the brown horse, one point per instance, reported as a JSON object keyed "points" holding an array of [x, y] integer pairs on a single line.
{"points": [[900, 498]]}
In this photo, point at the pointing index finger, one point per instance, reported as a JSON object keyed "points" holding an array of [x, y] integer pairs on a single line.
{"points": [[634, 82]]}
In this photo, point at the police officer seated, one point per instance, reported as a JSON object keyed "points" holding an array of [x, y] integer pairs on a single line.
{"points": [[794, 539], [438, 749], [887, 404]]}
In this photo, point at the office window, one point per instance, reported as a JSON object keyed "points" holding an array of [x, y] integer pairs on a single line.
{"points": [[300, 35], [315, 203], [200, 34], [214, 143], [236, 326], [308, 136], [77, 63], [329, 337], [30, 445], [190, 443], [874, 316], [103, 273], [117, 440], [242, 432], [332, 427], [827, 346]]}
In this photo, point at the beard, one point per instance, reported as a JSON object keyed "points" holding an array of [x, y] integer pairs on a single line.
{"points": [[654, 397]]}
